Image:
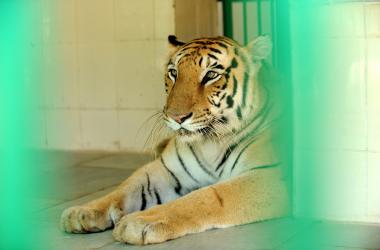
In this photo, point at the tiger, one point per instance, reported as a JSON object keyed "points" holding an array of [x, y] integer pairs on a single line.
{"points": [[219, 169]]}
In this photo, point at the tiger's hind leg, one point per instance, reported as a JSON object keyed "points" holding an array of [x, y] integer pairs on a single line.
{"points": [[241, 200]]}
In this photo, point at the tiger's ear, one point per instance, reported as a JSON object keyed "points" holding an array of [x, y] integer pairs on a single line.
{"points": [[260, 48], [174, 43]]}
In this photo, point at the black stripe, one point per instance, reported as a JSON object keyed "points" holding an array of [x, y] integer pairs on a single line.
{"points": [[235, 86], [219, 66], [265, 166], [241, 152], [211, 101], [148, 184], [238, 113], [143, 198], [230, 102], [212, 56], [224, 86], [222, 45], [158, 198], [223, 96], [216, 50], [245, 86], [205, 80], [215, 63], [226, 155], [234, 63], [200, 61], [263, 113], [249, 135], [199, 162], [183, 164], [236, 51], [178, 186], [199, 42], [223, 119]]}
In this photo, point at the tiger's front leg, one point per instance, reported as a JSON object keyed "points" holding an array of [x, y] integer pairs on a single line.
{"points": [[255, 196], [150, 185]]}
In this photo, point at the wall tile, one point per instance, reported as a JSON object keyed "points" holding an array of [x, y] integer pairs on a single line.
{"points": [[163, 18], [63, 129], [95, 20], [161, 57], [32, 70], [135, 128], [100, 129], [38, 128], [96, 75], [346, 130], [373, 76], [372, 19], [59, 21], [373, 94], [134, 20], [374, 185], [32, 22], [339, 93], [60, 75], [373, 130], [343, 73], [137, 77], [341, 20]]}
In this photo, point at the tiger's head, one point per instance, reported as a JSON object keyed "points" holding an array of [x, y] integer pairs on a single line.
{"points": [[211, 85]]}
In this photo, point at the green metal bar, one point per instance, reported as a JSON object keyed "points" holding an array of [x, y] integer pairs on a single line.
{"points": [[273, 31], [259, 16], [227, 13], [245, 28], [283, 66]]}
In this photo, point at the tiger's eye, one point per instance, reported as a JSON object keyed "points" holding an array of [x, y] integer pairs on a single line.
{"points": [[173, 73], [211, 74]]}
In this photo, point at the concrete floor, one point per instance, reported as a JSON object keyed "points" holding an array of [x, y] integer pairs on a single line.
{"points": [[81, 177]]}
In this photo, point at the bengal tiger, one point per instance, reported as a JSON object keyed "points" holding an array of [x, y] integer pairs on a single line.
{"points": [[219, 170]]}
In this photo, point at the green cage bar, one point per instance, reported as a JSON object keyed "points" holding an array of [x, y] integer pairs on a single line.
{"points": [[278, 16]]}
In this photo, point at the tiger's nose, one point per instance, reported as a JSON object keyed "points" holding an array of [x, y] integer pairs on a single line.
{"points": [[180, 118]]}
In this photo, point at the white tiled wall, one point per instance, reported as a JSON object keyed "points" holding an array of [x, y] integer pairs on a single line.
{"points": [[350, 161], [102, 70]]}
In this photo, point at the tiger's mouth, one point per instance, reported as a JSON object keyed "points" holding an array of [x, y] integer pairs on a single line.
{"points": [[202, 131], [208, 129], [185, 132]]}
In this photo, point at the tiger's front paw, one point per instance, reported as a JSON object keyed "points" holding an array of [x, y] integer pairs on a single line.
{"points": [[145, 227], [81, 219]]}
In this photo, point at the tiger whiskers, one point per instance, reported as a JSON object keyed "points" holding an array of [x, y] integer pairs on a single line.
{"points": [[156, 132]]}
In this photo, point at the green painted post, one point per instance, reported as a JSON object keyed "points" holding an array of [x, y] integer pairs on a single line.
{"points": [[245, 28], [273, 31], [259, 17], [227, 13]]}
